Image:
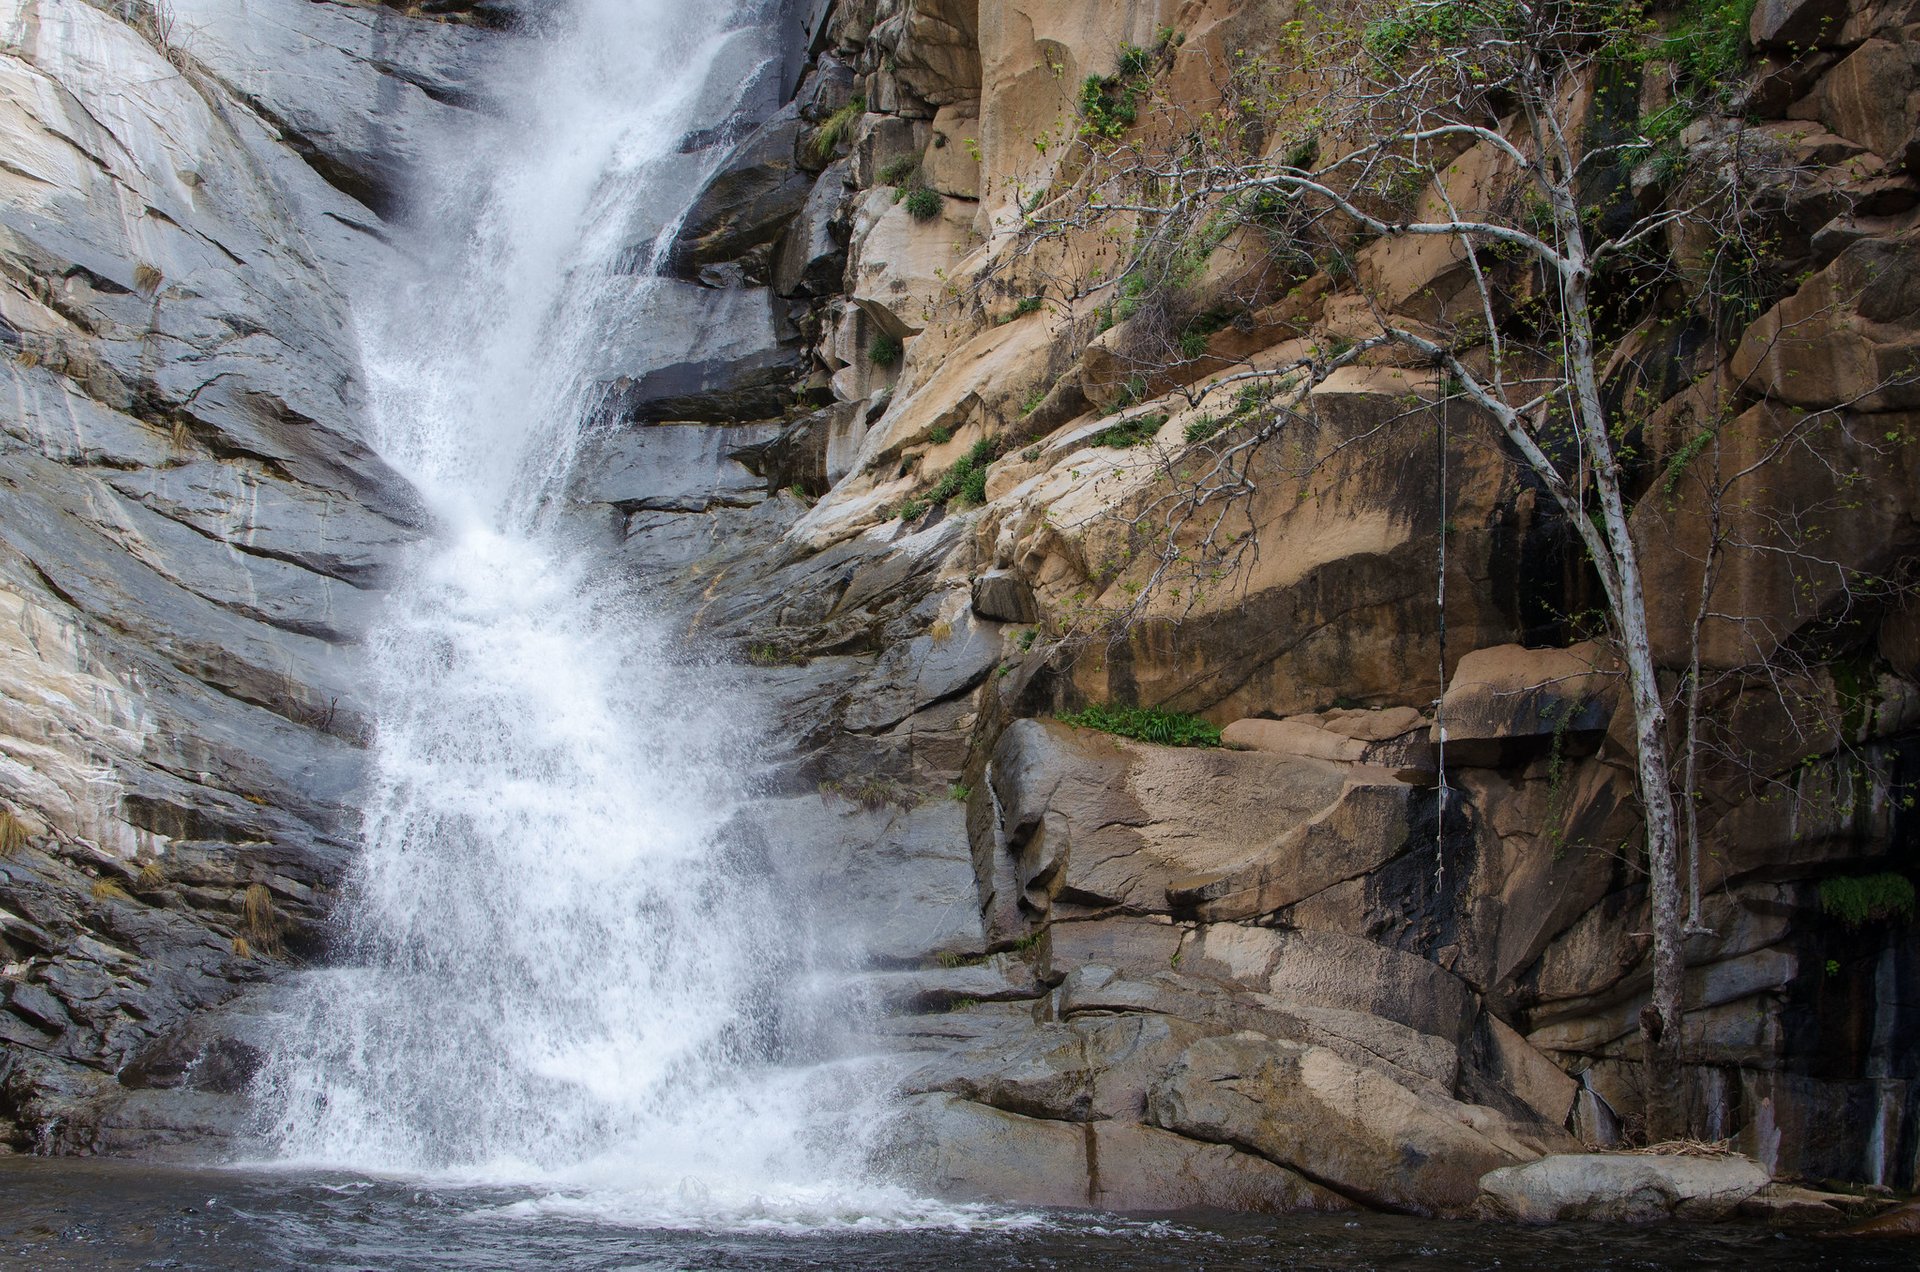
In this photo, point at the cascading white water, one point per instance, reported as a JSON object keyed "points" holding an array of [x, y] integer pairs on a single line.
{"points": [[557, 964]]}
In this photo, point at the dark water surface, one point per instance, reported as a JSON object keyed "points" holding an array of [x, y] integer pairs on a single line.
{"points": [[109, 1215]]}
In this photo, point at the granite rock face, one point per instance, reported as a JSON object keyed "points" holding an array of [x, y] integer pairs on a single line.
{"points": [[1203, 955], [195, 530]]}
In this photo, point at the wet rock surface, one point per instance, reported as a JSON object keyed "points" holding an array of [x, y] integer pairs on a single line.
{"points": [[196, 530]]}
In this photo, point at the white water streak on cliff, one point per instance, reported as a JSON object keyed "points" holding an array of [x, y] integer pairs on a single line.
{"points": [[559, 966]]}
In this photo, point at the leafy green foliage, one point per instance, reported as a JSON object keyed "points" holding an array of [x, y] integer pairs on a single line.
{"points": [[1708, 46], [1437, 22], [1857, 900], [1108, 106], [1203, 428], [1147, 724], [966, 481], [1136, 431], [924, 203], [885, 351]]}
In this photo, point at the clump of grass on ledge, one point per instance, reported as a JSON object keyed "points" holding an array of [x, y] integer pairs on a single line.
{"points": [[899, 172], [924, 203], [835, 127], [966, 481], [1147, 724], [1137, 431], [885, 351]]}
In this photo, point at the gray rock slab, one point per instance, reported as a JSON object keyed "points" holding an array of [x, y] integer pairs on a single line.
{"points": [[1621, 1188]]}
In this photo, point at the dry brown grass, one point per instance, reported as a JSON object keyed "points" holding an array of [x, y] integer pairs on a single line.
{"points": [[14, 833], [109, 890], [1688, 1148]]}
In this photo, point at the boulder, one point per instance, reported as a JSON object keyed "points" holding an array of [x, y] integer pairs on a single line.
{"points": [[1621, 1188], [753, 196], [1846, 337], [1368, 825], [812, 257], [1293, 737], [1139, 1169], [1005, 597], [1088, 819], [1507, 704], [1792, 26], [952, 161], [674, 468], [969, 1152], [1348, 1127]]}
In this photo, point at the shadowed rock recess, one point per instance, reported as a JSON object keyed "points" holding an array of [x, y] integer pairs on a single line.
{"points": [[1269, 975]]}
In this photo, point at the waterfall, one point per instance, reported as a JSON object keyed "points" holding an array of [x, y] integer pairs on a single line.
{"points": [[556, 964]]}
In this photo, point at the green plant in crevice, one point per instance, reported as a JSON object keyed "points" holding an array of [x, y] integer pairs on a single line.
{"points": [[900, 172], [833, 129], [1147, 724], [924, 203], [885, 351], [1201, 429], [1135, 431], [1857, 900], [965, 482]]}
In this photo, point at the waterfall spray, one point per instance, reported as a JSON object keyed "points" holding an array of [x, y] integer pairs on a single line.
{"points": [[556, 962]]}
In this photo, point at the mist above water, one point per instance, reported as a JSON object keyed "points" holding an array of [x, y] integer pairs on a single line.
{"points": [[556, 963]]}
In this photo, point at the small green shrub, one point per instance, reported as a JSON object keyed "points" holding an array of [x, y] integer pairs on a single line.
{"points": [[959, 792], [1027, 305], [910, 509], [1137, 431], [899, 172], [1857, 900], [1203, 428], [1108, 106], [1135, 60], [885, 351], [940, 436], [924, 203], [1147, 724], [966, 481]]}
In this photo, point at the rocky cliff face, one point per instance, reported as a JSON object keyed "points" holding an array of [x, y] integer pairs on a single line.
{"points": [[1142, 976], [194, 525], [1269, 976]]}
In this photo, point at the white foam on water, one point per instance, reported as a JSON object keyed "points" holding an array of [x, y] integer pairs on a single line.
{"points": [[559, 968]]}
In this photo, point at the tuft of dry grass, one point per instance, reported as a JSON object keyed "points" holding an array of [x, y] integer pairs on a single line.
{"points": [[153, 874], [109, 890], [241, 949], [147, 279], [257, 906], [14, 834]]}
